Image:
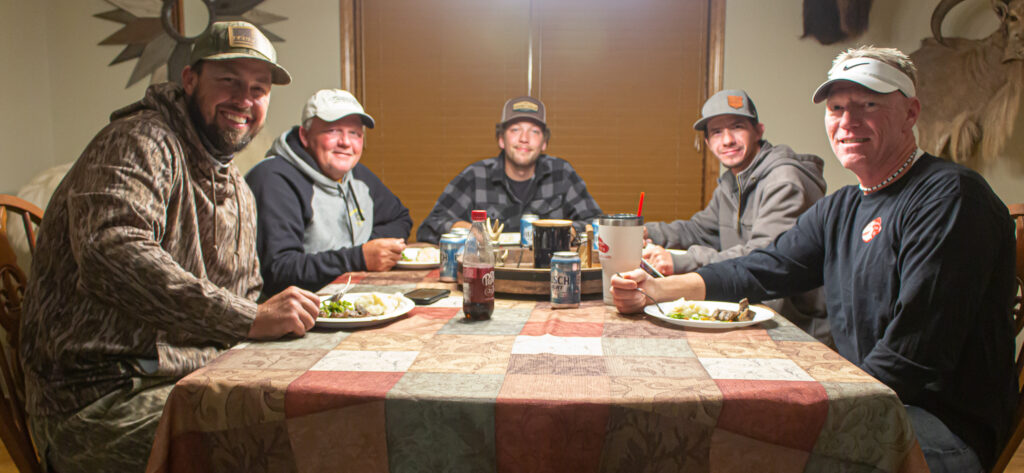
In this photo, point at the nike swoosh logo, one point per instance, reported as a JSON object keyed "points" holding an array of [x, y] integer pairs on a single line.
{"points": [[851, 66]]}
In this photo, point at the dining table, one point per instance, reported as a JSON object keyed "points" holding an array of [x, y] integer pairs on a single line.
{"points": [[532, 389]]}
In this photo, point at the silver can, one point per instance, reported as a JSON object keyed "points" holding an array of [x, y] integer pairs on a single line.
{"points": [[565, 280], [461, 234], [526, 229], [450, 246]]}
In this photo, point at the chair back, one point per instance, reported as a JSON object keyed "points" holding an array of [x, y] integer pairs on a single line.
{"points": [[13, 426], [1017, 212]]}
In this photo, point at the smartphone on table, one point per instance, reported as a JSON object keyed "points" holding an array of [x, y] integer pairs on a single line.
{"points": [[427, 295]]}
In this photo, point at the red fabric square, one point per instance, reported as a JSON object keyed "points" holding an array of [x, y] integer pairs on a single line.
{"points": [[549, 437], [787, 413], [317, 391], [562, 328]]}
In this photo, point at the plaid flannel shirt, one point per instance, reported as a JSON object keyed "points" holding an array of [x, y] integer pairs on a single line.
{"points": [[555, 192]]}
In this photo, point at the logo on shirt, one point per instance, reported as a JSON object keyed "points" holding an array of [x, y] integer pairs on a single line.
{"points": [[871, 229]]}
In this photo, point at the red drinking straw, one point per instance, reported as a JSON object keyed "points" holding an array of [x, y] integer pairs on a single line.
{"points": [[641, 206]]}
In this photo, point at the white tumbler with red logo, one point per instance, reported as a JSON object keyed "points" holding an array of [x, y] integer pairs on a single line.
{"points": [[620, 246]]}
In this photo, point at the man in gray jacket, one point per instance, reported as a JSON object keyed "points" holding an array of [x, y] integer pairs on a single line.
{"points": [[766, 189]]}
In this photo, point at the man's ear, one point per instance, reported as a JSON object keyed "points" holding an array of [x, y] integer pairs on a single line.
{"points": [[189, 79], [501, 142], [913, 112], [304, 136]]}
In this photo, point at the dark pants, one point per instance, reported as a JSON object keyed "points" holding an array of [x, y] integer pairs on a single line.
{"points": [[943, 450]]}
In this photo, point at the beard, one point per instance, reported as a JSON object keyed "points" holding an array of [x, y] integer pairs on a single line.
{"points": [[224, 141]]}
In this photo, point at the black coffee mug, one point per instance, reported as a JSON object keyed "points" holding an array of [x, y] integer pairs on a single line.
{"points": [[549, 236]]}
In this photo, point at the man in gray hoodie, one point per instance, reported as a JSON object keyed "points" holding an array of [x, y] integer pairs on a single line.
{"points": [[764, 191], [320, 213]]}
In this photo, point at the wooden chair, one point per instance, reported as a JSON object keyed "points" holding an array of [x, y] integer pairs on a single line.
{"points": [[1017, 212], [13, 426]]}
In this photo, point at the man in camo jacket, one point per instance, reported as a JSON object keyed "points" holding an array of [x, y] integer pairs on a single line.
{"points": [[146, 265]]}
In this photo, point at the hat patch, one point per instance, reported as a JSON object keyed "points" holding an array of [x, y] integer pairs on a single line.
{"points": [[871, 230], [524, 106], [241, 37], [734, 101], [343, 98]]}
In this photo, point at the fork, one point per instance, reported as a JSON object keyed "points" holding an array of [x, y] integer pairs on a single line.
{"points": [[652, 300], [338, 295]]}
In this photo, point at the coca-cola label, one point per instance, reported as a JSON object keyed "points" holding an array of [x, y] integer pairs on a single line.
{"points": [[478, 284]]}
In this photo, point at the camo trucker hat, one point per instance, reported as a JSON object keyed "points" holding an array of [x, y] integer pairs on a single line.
{"points": [[871, 73], [726, 102], [237, 39]]}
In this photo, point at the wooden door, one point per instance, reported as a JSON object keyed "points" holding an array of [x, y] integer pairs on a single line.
{"points": [[623, 83]]}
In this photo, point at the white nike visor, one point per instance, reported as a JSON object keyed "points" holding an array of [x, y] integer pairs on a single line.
{"points": [[871, 73]]}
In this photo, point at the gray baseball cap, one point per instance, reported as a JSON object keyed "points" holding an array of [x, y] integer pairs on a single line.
{"points": [[726, 102], [237, 39]]}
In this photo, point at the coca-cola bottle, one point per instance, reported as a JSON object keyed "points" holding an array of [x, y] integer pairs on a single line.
{"points": [[478, 270]]}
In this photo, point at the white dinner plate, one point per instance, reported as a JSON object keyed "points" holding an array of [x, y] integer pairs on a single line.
{"points": [[760, 314], [675, 251], [413, 253], [402, 305]]}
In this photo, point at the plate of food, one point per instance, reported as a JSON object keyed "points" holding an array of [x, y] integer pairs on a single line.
{"points": [[710, 314], [362, 309], [424, 257]]}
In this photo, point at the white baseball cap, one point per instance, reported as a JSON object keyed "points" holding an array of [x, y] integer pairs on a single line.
{"points": [[871, 73], [334, 104]]}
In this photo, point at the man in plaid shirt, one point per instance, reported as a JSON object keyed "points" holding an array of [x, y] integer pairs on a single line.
{"points": [[520, 180]]}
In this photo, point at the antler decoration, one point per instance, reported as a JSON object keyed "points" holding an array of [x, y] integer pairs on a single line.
{"points": [[150, 35], [494, 230]]}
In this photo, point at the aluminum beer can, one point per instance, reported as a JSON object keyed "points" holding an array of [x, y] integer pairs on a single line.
{"points": [[450, 246], [526, 229], [460, 234], [565, 280], [593, 244]]}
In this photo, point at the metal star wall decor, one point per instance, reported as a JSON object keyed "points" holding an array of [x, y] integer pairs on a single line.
{"points": [[149, 34]]}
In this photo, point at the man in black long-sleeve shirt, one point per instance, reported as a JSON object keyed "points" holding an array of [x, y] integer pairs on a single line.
{"points": [[917, 265], [320, 212]]}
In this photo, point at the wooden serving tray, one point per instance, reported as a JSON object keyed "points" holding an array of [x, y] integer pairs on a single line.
{"points": [[518, 276]]}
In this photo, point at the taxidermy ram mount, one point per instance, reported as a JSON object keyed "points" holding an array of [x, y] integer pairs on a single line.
{"points": [[151, 33], [970, 89]]}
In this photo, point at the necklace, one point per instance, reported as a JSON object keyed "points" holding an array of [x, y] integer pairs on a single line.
{"points": [[910, 159]]}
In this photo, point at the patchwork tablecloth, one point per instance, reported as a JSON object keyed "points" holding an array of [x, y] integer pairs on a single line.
{"points": [[534, 389]]}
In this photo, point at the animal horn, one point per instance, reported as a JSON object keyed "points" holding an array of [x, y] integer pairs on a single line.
{"points": [[939, 14]]}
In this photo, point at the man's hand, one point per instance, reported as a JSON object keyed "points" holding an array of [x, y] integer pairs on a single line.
{"points": [[659, 257], [292, 310], [382, 254], [628, 299]]}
